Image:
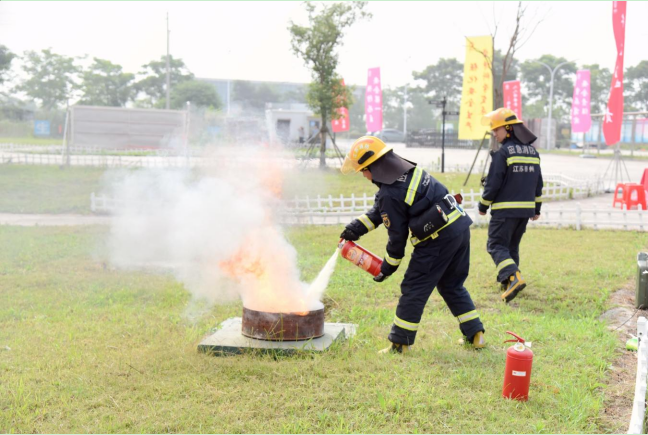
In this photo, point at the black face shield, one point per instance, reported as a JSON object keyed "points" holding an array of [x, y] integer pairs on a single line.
{"points": [[523, 134], [389, 168]]}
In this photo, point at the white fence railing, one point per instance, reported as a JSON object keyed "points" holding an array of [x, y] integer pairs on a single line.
{"points": [[639, 403]]}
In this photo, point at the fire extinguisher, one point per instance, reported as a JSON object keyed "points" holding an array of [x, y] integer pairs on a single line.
{"points": [[359, 256], [517, 374]]}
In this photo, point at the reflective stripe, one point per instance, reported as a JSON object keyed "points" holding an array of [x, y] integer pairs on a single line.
{"points": [[538, 199], [519, 204], [470, 315], [405, 324], [505, 263], [529, 160], [411, 190], [367, 222], [451, 218], [485, 202], [393, 261]]}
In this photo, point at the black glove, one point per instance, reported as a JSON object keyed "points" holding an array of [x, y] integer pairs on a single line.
{"points": [[482, 208], [380, 277], [349, 234]]}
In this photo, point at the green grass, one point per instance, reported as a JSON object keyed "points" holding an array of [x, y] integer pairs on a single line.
{"points": [[31, 140], [47, 189], [97, 350]]}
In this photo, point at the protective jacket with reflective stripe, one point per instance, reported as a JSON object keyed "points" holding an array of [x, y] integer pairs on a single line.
{"points": [[514, 183], [410, 195]]}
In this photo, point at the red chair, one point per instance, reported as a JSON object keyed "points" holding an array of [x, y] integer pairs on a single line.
{"points": [[620, 188], [635, 195], [644, 179]]}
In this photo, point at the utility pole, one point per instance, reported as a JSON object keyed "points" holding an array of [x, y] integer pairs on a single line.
{"points": [[442, 104], [168, 69], [549, 120]]}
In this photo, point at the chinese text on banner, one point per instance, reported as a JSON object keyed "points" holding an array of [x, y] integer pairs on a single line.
{"points": [[373, 101], [477, 91], [513, 97], [581, 119], [614, 111]]}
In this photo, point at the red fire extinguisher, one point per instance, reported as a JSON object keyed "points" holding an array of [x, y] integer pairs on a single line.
{"points": [[517, 374], [359, 256]]}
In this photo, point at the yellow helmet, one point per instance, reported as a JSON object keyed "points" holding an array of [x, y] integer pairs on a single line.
{"points": [[364, 152], [500, 117]]}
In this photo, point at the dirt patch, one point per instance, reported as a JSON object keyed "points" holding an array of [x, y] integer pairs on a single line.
{"points": [[619, 394]]}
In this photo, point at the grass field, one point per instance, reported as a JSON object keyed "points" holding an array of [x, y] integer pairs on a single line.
{"points": [[98, 350], [50, 189]]}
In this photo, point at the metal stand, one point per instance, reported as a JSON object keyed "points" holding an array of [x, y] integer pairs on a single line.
{"points": [[311, 152], [617, 165], [475, 159]]}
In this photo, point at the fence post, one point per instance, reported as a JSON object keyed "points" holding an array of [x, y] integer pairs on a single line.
{"points": [[578, 216], [330, 201], [92, 202], [364, 197], [319, 202], [353, 203], [341, 205]]}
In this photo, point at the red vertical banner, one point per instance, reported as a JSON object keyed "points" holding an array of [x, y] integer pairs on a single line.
{"points": [[513, 97], [342, 123], [614, 112], [373, 101]]}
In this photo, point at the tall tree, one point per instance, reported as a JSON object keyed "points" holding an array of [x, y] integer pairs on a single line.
{"points": [[637, 78], [50, 79], [254, 96], [152, 83], [198, 93], [445, 78], [537, 80], [600, 79], [419, 111], [105, 84], [316, 45], [6, 57]]}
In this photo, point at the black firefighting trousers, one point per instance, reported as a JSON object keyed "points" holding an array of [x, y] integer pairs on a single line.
{"points": [[444, 266], [504, 237]]}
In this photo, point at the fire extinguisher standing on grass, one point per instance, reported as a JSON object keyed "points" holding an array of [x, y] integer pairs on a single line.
{"points": [[517, 374]]}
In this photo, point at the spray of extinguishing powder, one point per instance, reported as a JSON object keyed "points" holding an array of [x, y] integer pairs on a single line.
{"points": [[318, 286]]}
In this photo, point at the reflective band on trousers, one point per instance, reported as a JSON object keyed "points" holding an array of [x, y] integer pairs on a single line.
{"points": [[505, 263], [528, 160], [519, 204], [405, 324], [451, 218], [411, 190], [367, 222], [485, 202], [538, 199], [393, 261], [470, 315]]}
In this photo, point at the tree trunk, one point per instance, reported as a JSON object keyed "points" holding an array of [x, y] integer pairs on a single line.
{"points": [[323, 131]]}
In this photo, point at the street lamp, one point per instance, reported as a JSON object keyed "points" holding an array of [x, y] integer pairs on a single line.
{"points": [[552, 72]]}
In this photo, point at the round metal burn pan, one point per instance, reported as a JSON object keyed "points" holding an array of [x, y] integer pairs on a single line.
{"points": [[283, 326]]}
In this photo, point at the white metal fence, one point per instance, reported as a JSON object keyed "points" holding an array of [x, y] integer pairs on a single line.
{"points": [[639, 403]]}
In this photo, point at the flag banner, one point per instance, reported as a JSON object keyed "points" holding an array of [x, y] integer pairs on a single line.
{"points": [[373, 101], [477, 90], [513, 97], [342, 123], [581, 117], [614, 112]]}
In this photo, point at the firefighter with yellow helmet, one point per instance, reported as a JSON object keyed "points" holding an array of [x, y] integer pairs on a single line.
{"points": [[410, 200], [512, 190]]}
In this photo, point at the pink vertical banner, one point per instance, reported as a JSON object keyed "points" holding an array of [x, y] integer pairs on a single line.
{"points": [[342, 123], [581, 117], [513, 97], [614, 111], [373, 101]]}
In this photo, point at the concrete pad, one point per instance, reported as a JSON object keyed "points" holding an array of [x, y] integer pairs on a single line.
{"points": [[228, 340]]}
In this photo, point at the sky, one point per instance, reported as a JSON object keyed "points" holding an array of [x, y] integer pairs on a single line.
{"points": [[250, 40]]}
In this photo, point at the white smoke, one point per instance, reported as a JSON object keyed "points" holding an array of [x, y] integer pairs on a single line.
{"points": [[217, 230]]}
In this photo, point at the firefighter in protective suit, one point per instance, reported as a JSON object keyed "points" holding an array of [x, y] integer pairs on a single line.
{"points": [[513, 191], [409, 199]]}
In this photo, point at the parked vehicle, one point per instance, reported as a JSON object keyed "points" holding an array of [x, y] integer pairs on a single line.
{"points": [[388, 135], [429, 137]]}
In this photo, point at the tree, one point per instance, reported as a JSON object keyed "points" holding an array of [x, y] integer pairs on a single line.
{"points": [[537, 80], [443, 78], [600, 79], [254, 96], [50, 78], [637, 78], [105, 84], [199, 93], [153, 81], [6, 57], [316, 44], [419, 111]]}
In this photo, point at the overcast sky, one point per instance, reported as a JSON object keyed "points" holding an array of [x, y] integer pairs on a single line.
{"points": [[250, 40]]}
